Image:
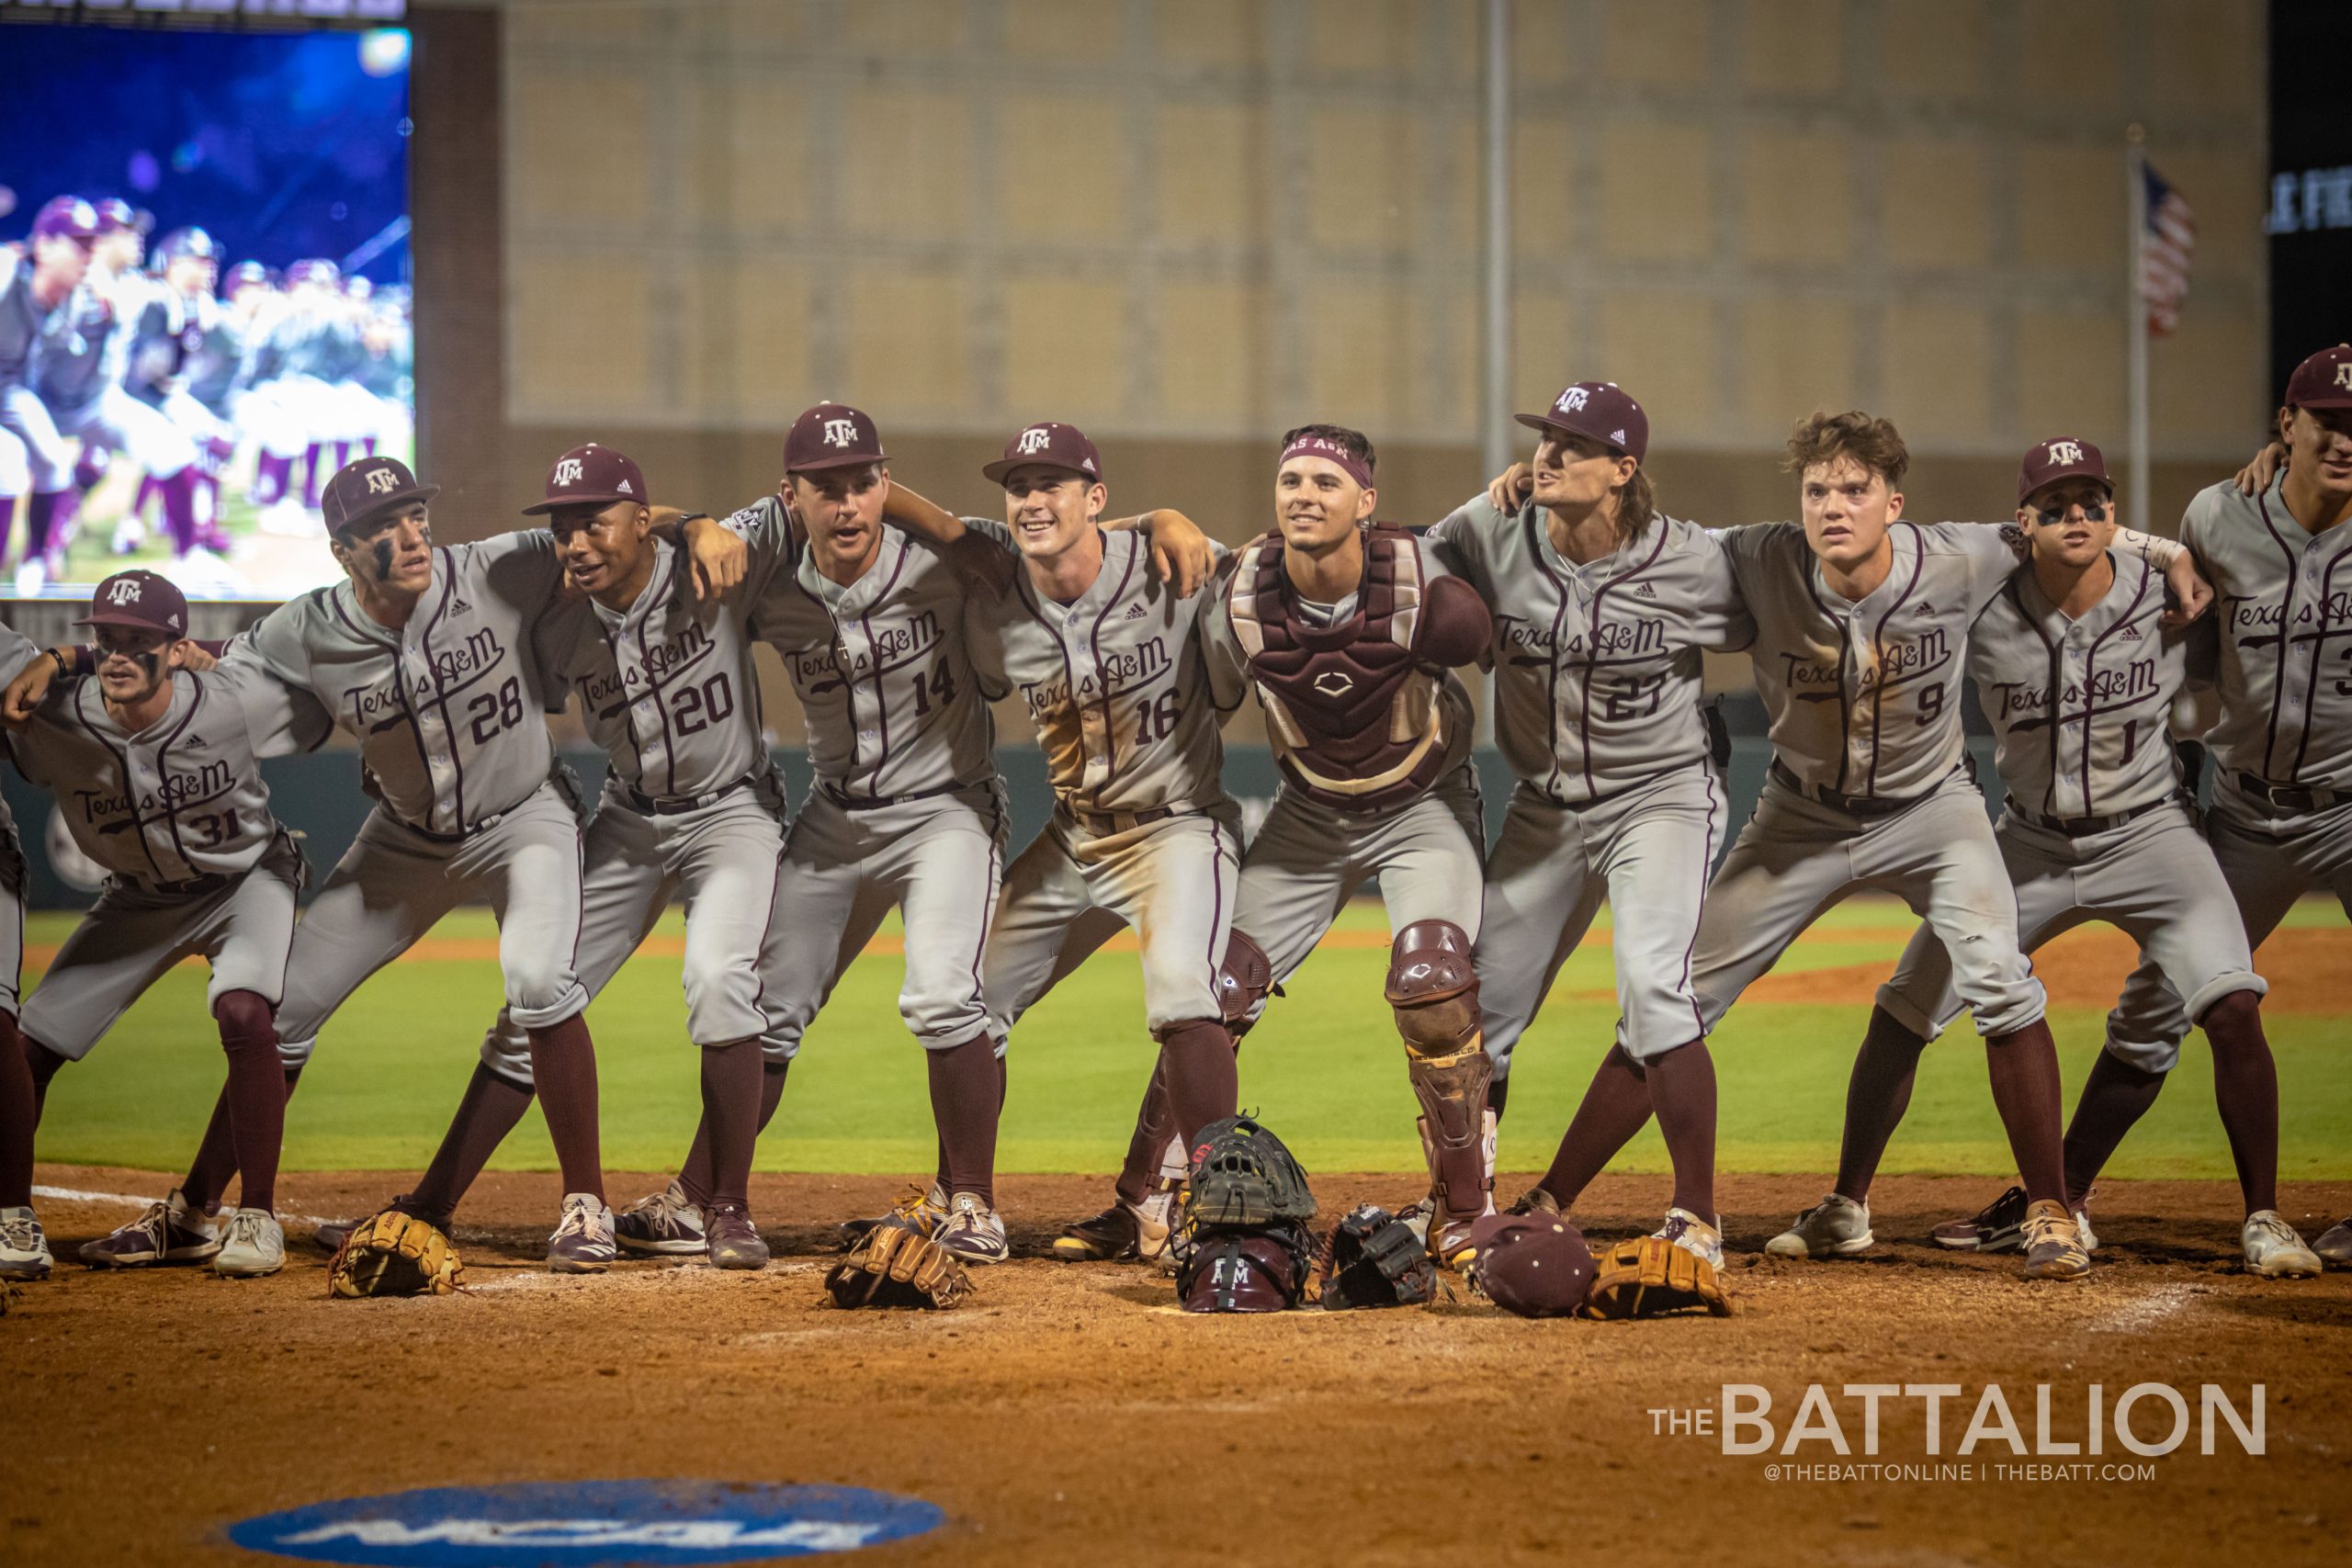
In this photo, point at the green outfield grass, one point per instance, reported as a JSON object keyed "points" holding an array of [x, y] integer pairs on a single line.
{"points": [[1325, 1070]]}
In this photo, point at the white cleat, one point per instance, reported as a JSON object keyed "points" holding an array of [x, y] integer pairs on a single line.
{"points": [[2274, 1250], [1693, 1235], [583, 1243], [24, 1249], [1835, 1227], [2082, 1224], [251, 1244], [2335, 1245], [973, 1231]]}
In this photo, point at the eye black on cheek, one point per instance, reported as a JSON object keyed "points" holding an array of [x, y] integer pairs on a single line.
{"points": [[383, 558]]}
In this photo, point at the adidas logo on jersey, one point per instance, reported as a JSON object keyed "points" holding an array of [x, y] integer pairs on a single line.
{"points": [[1924, 609], [1134, 611], [460, 607], [193, 743], [1644, 591], [2130, 634]]}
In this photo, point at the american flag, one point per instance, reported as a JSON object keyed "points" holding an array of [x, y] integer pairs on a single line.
{"points": [[2164, 253]]}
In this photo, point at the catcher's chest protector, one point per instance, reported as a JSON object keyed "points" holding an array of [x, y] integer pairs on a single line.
{"points": [[1354, 717]]}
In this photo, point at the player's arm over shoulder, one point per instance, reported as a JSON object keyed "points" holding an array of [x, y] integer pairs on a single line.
{"points": [[279, 720], [1719, 621], [1457, 629], [278, 644]]}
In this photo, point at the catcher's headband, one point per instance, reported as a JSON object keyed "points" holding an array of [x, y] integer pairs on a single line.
{"points": [[1325, 447]]}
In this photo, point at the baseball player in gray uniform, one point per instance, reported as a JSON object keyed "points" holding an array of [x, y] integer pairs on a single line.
{"points": [[2281, 559], [906, 811], [2078, 674], [154, 768], [1107, 658], [1602, 606], [423, 654], [690, 809], [24, 1249], [1861, 624]]}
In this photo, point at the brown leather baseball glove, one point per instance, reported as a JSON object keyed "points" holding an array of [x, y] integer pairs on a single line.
{"points": [[894, 1265], [392, 1254], [1650, 1277]]}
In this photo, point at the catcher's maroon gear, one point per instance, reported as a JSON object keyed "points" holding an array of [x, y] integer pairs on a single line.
{"points": [[1353, 709]]}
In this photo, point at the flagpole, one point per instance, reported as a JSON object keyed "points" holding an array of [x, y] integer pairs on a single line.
{"points": [[2136, 312]]}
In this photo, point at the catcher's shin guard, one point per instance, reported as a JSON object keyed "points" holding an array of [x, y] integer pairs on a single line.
{"points": [[1244, 978], [1435, 992]]}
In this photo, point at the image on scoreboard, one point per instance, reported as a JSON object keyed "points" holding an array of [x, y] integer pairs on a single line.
{"points": [[205, 299]]}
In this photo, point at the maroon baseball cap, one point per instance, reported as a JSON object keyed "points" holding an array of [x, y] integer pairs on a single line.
{"points": [[65, 216], [2322, 381], [143, 599], [1600, 410], [593, 475], [1048, 446], [1532, 1265], [831, 435], [360, 489], [115, 215], [2061, 457]]}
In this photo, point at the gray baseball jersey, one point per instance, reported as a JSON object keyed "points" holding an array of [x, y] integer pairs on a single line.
{"points": [[448, 709], [1596, 667], [182, 799], [884, 672], [2079, 707], [1127, 707], [667, 687], [2283, 600], [1861, 694], [1129, 715]]}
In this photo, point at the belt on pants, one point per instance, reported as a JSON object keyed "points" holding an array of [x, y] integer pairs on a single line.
{"points": [[481, 826], [1852, 804], [2084, 826], [1104, 823], [876, 801], [676, 804], [2290, 797]]}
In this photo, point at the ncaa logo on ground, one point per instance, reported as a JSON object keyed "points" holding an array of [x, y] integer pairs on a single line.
{"points": [[588, 1522]]}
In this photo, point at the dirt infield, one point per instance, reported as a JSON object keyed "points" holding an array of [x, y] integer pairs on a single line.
{"points": [[1069, 1414]]}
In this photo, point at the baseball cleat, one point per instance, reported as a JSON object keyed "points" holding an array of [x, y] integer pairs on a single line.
{"points": [[1999, 1226], [172, 1231], [922, 1209], [2083, 1225], [1417, 1216], [667, 1225], [1120, 1233], [734, 1240], [1693, 1235], [251, 1244], [2274, 1250], [24, 1248], [2335, 1245], [2053, 1244], [973, 1231], [1535, 1200], [1835, 1227], [1449, 1245], [583, 1243]]}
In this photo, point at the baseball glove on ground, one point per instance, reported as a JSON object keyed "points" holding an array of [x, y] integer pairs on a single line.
{"points": [[894, 1265], [1374, 1259], [392, 1254], [1244, 1177], [1651, 1277]]}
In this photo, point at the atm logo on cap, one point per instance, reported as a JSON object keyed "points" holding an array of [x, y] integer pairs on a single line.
{"points": [[839, 432], [594, 1522], [1036, 439], [125, 592], [2344, 374], [568, 471], [383, 481], [2065, 452], [1572, 399]]}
